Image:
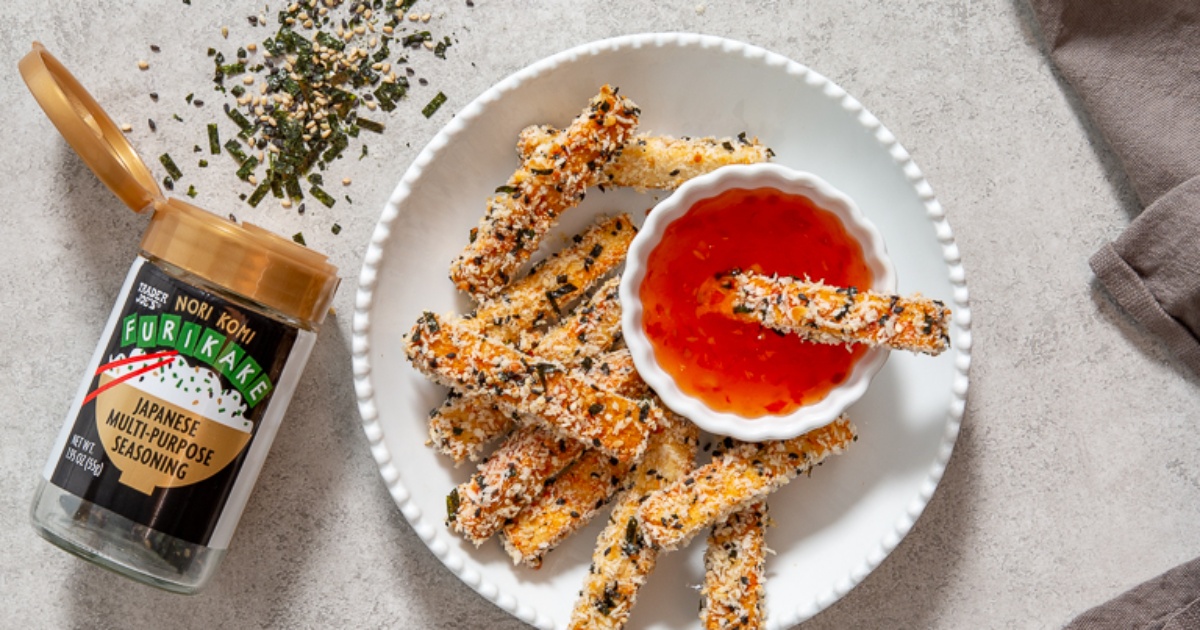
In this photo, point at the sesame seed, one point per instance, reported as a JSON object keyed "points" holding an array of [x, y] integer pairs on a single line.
{"points": [[143, 64]]}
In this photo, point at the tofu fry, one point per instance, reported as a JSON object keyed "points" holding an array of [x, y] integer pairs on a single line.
{"points": [[524, 468], [567, 503], [551, 180], [590, 329], [660, 162], [742, 475], [562, 399], [827, 314], [615, 371], [622, 558], [463, 425], [555, 283], [507, 481], [734, 591]]}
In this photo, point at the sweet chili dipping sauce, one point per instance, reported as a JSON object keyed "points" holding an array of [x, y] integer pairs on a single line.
{"points": [[739, 367]]}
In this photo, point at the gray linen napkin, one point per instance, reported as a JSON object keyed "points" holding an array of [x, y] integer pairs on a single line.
{"points": [[1135, 65], [1168, 602]]}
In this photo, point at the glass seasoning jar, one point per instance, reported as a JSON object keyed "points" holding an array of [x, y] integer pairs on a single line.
{"points": [[192, 375]]}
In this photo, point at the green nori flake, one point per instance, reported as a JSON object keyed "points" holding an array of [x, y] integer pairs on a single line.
{"points": [[247, 168], [169, 164], [237, 117], [299, 238], [191, 192], [258, 194], [329, 41], [336, 229], [322, 196], [370, 125], [235, 150], [595, 408], [433, 105], [439, 50], [232, 70], [452, 503]]}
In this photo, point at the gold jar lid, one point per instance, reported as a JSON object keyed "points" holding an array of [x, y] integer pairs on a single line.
{"points": [[244, 258]]}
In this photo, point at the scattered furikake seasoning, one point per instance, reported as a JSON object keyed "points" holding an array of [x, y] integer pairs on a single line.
{"points": [[297, 92], [336, 229], [299, 238]]}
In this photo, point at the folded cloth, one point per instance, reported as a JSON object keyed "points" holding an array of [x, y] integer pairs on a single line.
{"points": [[1168, 602], [1135, 65]]}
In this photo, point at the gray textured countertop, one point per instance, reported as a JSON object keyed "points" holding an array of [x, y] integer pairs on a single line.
{"points": [[1075, 475]]}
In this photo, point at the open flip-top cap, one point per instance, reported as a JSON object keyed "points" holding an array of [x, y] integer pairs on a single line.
{"points": [[89, 130], [244, 258]]}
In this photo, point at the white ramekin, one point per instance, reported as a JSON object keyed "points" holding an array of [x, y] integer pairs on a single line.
{"points": [[789, 181]]}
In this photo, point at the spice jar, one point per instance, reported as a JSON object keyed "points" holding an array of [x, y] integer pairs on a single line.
{"points": [[192, 375]]}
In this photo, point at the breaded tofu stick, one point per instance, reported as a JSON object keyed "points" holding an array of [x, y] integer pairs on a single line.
{"points": [[742, 475], [622, 558], [828, 314], [553, 179], [556, 282], [562, 399], [734, 591], [578, 493], [567, 502], [661, 162], [516, 473], [615, 371], [590, 329], [463, 425]]}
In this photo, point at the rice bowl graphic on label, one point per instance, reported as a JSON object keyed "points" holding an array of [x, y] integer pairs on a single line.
{"points": [[166, 423]]}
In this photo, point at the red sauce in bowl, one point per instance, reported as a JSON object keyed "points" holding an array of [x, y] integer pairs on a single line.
{"points": [[735, 366]]}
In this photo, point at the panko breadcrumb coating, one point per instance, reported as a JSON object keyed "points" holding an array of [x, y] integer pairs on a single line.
{"points": [[551, 180]]}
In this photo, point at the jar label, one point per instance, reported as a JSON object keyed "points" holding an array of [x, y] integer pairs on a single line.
{"points": [[176, 396]]}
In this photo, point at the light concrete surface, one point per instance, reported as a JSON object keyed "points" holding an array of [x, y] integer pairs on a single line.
{"points": [[1075, 475]]}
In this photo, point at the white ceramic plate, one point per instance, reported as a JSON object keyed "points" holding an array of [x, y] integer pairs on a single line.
{"points": [[831, 529]]}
